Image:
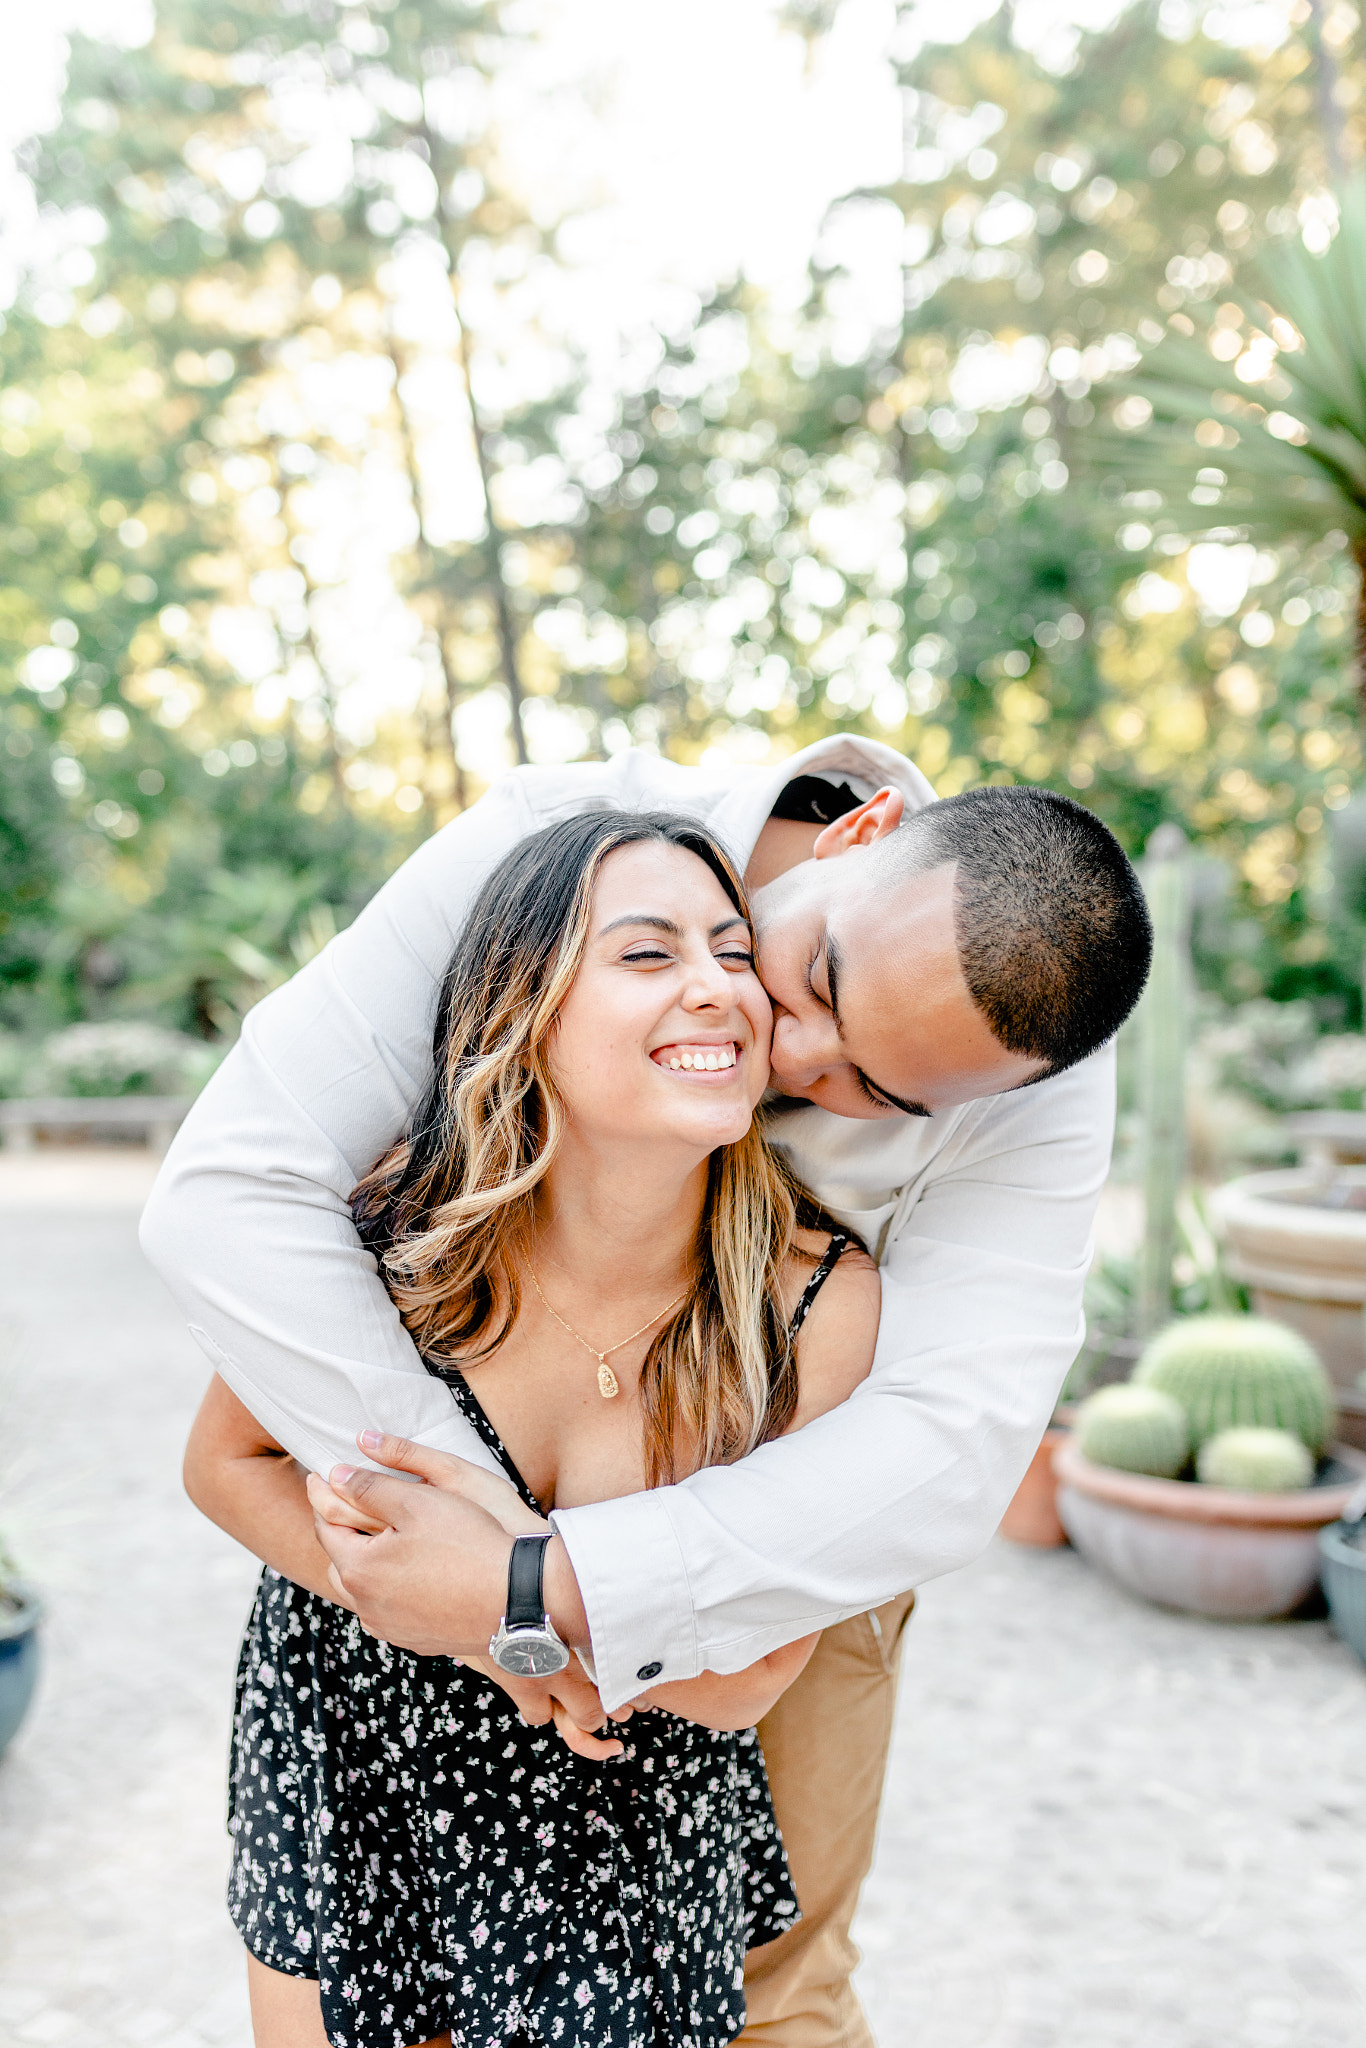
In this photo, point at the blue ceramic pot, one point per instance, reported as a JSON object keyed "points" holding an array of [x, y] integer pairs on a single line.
{"points": [[1344, 1581], [18, 1659]]}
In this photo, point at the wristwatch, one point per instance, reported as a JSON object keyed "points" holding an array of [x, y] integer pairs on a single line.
{"points": [[526, 1645]]}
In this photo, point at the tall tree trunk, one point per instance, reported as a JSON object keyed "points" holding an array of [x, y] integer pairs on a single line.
{"points": [[1359, 558], [502, 609], [427, 556], [309, 642], [1326, 75], [507, 638]]}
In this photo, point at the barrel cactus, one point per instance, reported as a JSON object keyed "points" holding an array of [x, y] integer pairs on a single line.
{"points": [[1135, 1429], [1232, 1372], [1255, 1461]]}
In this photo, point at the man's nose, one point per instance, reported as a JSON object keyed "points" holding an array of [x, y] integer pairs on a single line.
{"points": [[804, 1052]]}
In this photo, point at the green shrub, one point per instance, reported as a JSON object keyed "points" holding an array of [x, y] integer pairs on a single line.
{"points": [[1231, 1372], [121, 1059], [1133, 1429], [1255, 1461]]}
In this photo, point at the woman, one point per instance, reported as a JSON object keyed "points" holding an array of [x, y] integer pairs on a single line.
{"points": [[592, 1244]]}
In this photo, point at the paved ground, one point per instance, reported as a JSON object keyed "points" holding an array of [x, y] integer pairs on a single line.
{"points": [[1105, 1828]]}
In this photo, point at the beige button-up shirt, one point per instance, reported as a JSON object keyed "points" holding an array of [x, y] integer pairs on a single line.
{"points": [[981, 1218]]}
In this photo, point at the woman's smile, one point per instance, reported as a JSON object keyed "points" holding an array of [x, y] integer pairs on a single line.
{"points": [[699, 1057]]}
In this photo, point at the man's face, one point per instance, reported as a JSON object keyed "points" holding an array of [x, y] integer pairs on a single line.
{"points": [[871, 1014]]}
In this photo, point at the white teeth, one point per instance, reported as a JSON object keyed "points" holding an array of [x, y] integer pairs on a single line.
{"points": [[703, 1062]]}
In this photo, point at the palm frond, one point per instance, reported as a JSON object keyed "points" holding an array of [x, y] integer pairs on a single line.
{"points": [[1291, 450]]}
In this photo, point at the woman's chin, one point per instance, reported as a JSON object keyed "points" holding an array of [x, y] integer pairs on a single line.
{"points": [[699, 1127], [719, 1124]]}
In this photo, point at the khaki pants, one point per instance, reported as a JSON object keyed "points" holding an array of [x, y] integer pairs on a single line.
{"points": [[825, 1744]]}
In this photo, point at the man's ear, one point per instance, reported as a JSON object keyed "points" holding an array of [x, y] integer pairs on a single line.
{"points": [[871, 821]]}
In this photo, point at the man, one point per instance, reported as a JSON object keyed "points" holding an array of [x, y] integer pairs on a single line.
{"points": [[945, 979]]}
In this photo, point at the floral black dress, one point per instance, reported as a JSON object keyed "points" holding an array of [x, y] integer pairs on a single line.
{"points": [[401, 1836]]}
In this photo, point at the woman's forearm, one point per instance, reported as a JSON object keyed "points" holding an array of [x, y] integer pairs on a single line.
{"points": [[736, 1699], [260, 1501], [243, 1481]]}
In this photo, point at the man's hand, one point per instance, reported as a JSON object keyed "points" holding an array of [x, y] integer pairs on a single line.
{"points": [[426, 1567], [449, 1474], [568, 1699], [433, 1577]]}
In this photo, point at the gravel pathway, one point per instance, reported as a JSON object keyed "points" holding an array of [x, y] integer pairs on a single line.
{"points": [[1106, 1827]]}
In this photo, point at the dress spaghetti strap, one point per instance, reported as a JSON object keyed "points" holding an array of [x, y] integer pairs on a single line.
{"points": [[840, 1241]]}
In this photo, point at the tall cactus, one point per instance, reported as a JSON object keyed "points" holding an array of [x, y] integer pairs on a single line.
{"points": [[1162, 1031]]}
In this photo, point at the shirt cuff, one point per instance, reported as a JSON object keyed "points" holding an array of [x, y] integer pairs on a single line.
{"points": [[635, 1592]]}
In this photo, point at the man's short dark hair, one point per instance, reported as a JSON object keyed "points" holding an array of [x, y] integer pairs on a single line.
{"points": [[1053, 933]]}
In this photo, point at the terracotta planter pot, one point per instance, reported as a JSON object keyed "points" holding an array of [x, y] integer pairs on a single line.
{"points": [[1204, 1549], [1032, 1516], [1304, 1263]]}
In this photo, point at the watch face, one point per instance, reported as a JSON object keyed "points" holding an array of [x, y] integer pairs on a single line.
{"points": [[527, 1653]]}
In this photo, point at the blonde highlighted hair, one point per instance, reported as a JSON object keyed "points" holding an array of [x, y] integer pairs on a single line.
{"points": [[450, 1211]]}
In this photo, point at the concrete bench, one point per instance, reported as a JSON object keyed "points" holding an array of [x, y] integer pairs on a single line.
{"points": [[157, 1116]]}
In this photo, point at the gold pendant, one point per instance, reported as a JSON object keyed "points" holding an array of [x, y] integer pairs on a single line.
{"points": [[608, 1384]]}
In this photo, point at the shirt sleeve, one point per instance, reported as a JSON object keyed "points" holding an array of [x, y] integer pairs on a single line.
{"points": [[982, 1284], [249, 1223]]}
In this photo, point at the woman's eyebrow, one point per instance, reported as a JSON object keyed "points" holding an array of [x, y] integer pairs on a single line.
{"points": [[659, 924], [665, 924]]}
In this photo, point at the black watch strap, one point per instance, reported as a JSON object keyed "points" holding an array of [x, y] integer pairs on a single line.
{"points": [[526, 1572]]}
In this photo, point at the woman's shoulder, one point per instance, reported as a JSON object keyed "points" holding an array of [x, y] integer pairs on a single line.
{"points": [[838, 1332], [811, 1249], [814, 1244]]}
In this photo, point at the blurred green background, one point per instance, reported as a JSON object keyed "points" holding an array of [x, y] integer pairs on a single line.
{"points": [[323, 498]]}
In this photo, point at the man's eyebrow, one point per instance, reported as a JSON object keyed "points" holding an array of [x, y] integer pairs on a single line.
{"points": [[832, 981], [872, 1089]]}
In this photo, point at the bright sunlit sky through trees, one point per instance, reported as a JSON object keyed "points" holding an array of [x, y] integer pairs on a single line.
{"points": [[684, 143]]}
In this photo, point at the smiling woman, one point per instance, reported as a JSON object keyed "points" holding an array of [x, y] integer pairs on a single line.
{"points": [[596, 1250]]}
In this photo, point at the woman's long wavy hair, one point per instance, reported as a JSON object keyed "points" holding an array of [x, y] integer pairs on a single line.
{"points": [[450, 1211]]}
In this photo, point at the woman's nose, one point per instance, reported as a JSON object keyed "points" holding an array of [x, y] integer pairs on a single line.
{"points": [[709, 986]]}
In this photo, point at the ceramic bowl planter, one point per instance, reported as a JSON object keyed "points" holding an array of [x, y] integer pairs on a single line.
{"points": [[1343, 1553], [20, 1613], [1203, 1549], [1297, 1240]]}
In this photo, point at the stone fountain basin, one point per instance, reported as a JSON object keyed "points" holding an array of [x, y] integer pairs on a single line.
{"points": [[1297, 1241]]}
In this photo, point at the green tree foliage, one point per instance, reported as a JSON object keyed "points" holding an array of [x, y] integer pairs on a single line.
{"points": [[301, 341], [935, 562], [235, 200]]}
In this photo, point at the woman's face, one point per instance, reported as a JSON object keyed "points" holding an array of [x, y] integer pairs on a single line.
{"points": [[665, 1032]]}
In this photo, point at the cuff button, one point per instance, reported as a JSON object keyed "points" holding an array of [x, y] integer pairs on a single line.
{"points": [[649, 1671]]}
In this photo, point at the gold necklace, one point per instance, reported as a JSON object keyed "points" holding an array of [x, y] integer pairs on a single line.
{"points": [[609, 1386]]}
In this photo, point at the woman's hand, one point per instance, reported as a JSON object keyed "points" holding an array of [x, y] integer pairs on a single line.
{"points": [[484, 1489]]}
